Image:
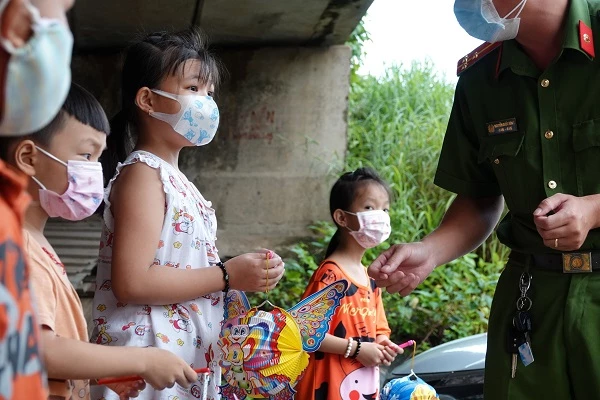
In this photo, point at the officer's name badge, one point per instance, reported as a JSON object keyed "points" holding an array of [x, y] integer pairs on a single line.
{"points": [[504, 126]]}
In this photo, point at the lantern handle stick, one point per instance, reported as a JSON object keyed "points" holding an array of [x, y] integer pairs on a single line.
{"points": [[406, 344], [108, 381]]}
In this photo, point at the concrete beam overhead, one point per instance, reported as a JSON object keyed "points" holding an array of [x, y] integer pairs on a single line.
{"points": [[230, 23], [115, 23]]}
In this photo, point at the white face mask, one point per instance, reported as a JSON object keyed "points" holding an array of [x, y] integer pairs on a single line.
{"points": [[38, 76], [197, 119], [374, 228], [480, 19]]}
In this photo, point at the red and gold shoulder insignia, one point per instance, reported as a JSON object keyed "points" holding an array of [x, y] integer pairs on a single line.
{"points": [[586, 39], [470, 59]]}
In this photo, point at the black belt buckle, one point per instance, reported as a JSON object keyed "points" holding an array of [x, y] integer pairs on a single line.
{"points": [[575, 263]]}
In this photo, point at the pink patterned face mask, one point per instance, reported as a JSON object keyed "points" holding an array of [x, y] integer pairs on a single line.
{"points": [[374, 228], [82, 197]]}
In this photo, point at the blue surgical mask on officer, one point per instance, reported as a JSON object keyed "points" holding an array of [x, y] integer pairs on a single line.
{"points": [[480, 19]]}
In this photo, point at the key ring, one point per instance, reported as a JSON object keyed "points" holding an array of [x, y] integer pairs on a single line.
{"points": [[524, 282], [524, 303]]}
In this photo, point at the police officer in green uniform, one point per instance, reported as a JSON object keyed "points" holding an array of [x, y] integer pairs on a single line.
{"points": [[525, 127]]}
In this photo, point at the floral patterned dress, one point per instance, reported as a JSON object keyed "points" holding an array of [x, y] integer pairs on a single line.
{"points": [[188, 329]]}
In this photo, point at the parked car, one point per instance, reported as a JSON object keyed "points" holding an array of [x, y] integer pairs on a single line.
{"points": [[454, 369]]}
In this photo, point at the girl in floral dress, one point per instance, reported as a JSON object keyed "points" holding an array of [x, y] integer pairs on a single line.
{"points": [[160, 281]]}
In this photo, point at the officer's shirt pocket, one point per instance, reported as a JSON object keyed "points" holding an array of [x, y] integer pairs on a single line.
{"points": [[586, 144], [504, 153]]}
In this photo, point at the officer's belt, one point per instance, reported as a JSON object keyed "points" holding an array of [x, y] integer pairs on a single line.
{"points": [[568, 263]]}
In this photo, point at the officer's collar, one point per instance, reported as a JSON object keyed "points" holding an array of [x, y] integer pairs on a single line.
{"points": [[576, 25]]}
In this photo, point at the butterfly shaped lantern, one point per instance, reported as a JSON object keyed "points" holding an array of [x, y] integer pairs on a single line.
{"points": [[264, 353]]}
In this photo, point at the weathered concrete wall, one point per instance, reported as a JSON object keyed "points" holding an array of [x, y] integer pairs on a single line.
{"points": [[283, 129]]}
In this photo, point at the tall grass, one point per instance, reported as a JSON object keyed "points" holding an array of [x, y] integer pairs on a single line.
{"points": [[396, 125]]}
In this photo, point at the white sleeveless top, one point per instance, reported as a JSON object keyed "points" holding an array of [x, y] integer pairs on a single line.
{"points": [[188, 329]]}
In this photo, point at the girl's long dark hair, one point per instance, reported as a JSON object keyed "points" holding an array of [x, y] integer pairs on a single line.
{"points": [[147, 62], [343, 193]]}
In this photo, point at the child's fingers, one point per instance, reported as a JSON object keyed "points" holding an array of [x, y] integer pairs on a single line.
{"points": [[261, 262], [190, 375], [273, 272], [262, 254], [389, 354], [272, 282], [264, 251], [187, 377], [273, 262], [394, 348], [381, 357], [274, 279]]}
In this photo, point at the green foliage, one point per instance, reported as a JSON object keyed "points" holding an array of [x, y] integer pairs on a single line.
{"points": [[358, 37], [396, 125]]}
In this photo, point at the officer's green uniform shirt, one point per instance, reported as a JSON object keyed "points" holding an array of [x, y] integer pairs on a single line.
{"points": [[528, 134]]}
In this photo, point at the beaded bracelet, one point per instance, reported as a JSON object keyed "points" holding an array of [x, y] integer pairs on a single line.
{"points": [[348, 348], [357, 350], [225, 276]]}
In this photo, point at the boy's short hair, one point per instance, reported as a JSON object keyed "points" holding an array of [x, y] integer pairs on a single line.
{"points": [[80, 104]]}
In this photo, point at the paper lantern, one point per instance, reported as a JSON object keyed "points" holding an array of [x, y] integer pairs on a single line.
{"points": [[264, 353], [410, 387]]}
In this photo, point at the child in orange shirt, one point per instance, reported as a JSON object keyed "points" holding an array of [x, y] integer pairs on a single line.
{"points": [[346, 365]]}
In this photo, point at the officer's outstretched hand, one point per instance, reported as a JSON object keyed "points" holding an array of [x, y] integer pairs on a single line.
{"points": [[563, 221], [402, 267]]}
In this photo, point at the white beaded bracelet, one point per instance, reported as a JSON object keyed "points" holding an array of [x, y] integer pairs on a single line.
{"points": [[349, 348]]}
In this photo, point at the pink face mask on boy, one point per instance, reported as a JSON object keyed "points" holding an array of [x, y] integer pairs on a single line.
{"points": [[374, 228], [82, 197]]}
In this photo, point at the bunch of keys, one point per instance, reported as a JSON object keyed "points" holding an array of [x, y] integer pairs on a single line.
{"points": [[519, 340]]}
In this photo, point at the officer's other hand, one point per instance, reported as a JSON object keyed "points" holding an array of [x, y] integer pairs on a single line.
{"points": [[566, 218], [402, 267]]}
